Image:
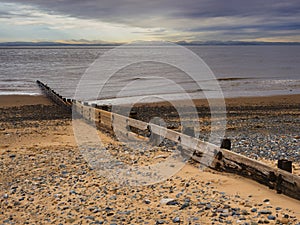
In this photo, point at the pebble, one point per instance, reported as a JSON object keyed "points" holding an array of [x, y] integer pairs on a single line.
{"points": [[147, 201], [185, 205], [254, 210], [12, 156], [73, 192], [96, 210], [62, 166], [245, 212], [271, 217], [165, 201], [90, 217], [174, 202], [179, 194], [176, 220], [265, 212], [98, 222]]}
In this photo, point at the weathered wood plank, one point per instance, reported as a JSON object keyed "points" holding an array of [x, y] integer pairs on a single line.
{"points": [[137, 124]]}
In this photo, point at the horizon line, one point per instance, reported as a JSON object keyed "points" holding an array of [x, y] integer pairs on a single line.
{"points": [[102, 43]]}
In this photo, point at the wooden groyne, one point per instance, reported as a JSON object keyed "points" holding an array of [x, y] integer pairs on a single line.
{"points": [[55, 97], [223, 160]]}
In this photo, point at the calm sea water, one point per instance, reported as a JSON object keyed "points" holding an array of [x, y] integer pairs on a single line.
{"points": [[240, 70]]}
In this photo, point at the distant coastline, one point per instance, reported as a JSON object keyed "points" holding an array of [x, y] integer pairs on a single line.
{"points": [[184, 43]]}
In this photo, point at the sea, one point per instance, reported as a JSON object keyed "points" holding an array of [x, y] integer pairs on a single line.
{"points": [[238, 70]]}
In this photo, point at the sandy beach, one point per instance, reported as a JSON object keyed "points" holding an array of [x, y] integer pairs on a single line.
{"points": [[45, 179]]}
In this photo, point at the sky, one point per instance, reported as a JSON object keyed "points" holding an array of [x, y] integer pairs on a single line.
{"points": [[97, 21]]}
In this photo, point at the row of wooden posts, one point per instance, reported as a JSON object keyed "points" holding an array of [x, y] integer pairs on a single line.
{"points": [[281, 179]]}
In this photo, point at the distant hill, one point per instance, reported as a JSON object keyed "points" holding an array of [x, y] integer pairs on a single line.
{"points": [[235, 43], [60, 44], [45, 44]]}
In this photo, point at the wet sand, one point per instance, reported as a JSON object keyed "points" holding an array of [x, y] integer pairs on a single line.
{"points": [[45, 179]]}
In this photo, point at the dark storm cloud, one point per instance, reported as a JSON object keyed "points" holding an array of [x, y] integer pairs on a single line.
{"points": [[240, 8], [133, 10], [182, 16], [260, 27]]}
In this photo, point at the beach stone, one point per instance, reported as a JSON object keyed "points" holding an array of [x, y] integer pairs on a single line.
{"points": [[96, 210], [73, 192], [254, 210], [64, 172], [264, 211], [213, 214], [179, 194], [12, 156], [174, 202], [107, 209], [165, 201], [245, 212], [147, 201], [90, 217], [176, 220], [113, 197], [160, 222], [185, 205], [208, 206], [271, 217], [62, 166], [17, 203], [98, 222]]}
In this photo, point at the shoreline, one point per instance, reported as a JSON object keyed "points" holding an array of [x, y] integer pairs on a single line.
{"points": [[19, 100]]}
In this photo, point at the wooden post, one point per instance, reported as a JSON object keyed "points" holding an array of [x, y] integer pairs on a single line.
{"points": [[226, 144], [154, 138], [133, 114], [285, 165]]}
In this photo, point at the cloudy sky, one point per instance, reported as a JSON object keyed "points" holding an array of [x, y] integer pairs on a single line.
{"points": [[129, 20]]}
